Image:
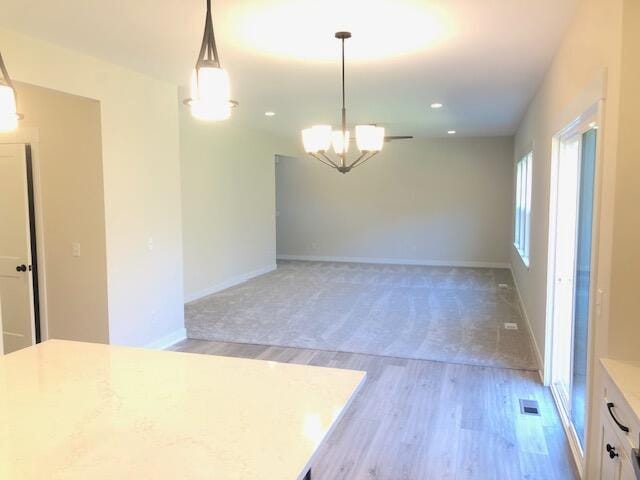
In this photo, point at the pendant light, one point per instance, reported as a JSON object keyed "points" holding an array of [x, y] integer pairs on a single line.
{"points": [[318, 139], [210, 92], [8, 115]]}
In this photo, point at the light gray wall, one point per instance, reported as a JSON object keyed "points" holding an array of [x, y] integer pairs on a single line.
{"points": [[228, 203], [69, 156], [440, 201]]}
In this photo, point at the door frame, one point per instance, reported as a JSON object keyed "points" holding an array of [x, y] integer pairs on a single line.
{"points": [[594, 113], [30, 137]]}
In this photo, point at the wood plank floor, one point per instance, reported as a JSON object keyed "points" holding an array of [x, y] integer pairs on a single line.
{"points": [[423, 420]]}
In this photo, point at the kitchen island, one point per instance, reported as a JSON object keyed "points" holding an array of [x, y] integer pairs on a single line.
{"points": [[71, 410]]}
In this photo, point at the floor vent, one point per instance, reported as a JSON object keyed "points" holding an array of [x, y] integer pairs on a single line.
{"points": [[510, 326], [529, 407]]}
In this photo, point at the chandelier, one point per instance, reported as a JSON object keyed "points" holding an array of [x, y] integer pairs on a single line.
{"points": [[318, 139], [8, 115], [210, 91]]}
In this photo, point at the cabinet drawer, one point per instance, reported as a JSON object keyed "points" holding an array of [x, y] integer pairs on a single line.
{"points": [[615, 408]]}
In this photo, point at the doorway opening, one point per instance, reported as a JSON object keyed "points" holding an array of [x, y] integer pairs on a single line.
{"points": [[573, 174], [19, 289]]}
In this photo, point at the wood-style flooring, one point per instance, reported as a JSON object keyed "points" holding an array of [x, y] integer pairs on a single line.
{"points": [[423, 420]]}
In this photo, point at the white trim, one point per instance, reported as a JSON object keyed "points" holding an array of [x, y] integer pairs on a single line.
{"points": [[396, 261], [168, 340], [228, 283], [539, 356], [576, 450]]}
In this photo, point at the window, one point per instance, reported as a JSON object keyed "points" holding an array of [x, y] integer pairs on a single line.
{"points": [[522, 222]]}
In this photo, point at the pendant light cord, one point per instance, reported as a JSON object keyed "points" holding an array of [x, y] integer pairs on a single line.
{"points": [[5, 74], [344, 113]]}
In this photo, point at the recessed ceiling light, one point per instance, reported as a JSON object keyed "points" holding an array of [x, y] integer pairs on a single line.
{"points": [[436, 105], [269, 114], [451, 132]]}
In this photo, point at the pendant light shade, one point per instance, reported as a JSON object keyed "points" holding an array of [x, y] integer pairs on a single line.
{"points": [[317, 138], [210, 94], [210, 90], [369, 138], [340, 141], [8, 115]]}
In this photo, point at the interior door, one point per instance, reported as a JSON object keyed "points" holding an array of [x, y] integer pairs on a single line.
{"points": [[16, 282]]}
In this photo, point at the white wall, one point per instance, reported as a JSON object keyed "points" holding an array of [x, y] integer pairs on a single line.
{"points": [[438, 201], [228, 203], [624, 325], [585, 69], [141, 171]]}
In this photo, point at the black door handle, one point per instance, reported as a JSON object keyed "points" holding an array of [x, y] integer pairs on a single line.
{"points": [[21, 268], [612, 451], [610, 406]]}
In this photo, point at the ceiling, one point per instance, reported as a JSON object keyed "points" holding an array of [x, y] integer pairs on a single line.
{"points": [[482, 59]]}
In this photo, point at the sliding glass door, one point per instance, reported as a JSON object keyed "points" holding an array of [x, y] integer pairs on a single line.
{"points": [[570, 249]]}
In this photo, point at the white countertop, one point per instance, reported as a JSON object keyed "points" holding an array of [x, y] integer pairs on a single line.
{"points": [[72, 410], [626, 376]]}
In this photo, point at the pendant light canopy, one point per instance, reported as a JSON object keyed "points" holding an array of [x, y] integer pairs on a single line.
{"points": [[318, 139], [210, 92], [8, 115]]}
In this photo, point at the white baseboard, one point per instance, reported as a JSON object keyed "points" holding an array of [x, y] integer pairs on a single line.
{"points": [[396, 261], [538, 353], [168, 340], [228, 283]]}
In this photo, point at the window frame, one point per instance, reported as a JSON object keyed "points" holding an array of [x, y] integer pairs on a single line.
{"points": [[522, 207]]}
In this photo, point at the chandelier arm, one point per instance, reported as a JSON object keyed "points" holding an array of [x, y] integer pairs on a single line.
{"points": [[320, 159], [324, 155], [365, 160], [357, 160]]}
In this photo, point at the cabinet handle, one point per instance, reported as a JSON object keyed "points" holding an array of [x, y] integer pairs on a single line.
{"points": [[610, 406]]}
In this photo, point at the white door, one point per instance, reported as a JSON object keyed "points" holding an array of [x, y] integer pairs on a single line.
{"points": [[16, 283]]}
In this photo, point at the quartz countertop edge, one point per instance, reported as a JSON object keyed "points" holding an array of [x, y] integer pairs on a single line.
{"points": [[626, 375]]}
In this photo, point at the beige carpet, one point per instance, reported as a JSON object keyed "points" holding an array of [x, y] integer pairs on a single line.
{"points": [[454, 315]]}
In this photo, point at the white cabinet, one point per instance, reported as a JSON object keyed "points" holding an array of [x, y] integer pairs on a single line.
{"points": [[619, 423], [610, 449]]}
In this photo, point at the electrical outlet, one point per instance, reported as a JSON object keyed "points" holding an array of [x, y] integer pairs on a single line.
{"points": [[75, 249], [314, 246], [150, 244], [511, 326]]}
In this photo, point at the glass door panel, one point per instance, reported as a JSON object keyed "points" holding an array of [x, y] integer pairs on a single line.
{"points": [[582, 282]]}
